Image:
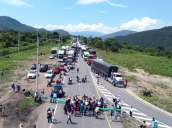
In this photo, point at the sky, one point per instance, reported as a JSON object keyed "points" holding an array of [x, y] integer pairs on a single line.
{"points": [[105, 16]]}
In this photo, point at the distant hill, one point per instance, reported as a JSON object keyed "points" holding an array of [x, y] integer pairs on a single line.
{"points": [[120, 33], [150, 38], [61, 31], [87, 33], [8, 23]]}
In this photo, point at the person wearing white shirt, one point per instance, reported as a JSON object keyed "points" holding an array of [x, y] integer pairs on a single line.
{"points": [[120, 104], [86, 103], [114, 98], [54, 96], [131, 111], [99, 103], [105, 104]]}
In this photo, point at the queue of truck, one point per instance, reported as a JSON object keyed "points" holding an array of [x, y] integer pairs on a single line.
{"points": [[99, 66]]}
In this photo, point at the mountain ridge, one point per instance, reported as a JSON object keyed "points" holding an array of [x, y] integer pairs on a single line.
{"points": [[7, 22], [119, 33]]}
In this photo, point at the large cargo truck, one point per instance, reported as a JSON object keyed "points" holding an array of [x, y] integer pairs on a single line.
{"points": [[108, 71]]}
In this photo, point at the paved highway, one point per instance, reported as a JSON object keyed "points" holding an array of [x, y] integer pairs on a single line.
{"points": [[105, 89]]}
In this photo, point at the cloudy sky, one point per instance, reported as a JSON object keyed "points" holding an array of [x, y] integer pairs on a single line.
{"points": [[104, 16]]}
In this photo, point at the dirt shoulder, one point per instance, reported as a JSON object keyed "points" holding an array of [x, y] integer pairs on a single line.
{"points": [[160, 87]]}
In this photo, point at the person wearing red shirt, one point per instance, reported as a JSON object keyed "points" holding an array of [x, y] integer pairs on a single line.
{"points": [[57, 81], [74, 110], [126, 82]]}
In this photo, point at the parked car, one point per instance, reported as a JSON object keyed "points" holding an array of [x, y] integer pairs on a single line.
{"points": [[70, 64], [33, 66], [56, 89], [31, 74], [43, 68], [51, 56], [49, 74], [61, 66], [56, 69]]}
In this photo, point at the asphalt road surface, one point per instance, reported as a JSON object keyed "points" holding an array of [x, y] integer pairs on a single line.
{"points": [[106, 90]]}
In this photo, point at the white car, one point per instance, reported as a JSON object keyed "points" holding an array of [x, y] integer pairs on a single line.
{"points": [[67, 48], [31, 74], [51, 56], [49, 74]]}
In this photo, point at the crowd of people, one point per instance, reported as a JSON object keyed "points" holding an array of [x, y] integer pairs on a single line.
{"points": [[83, 105]]}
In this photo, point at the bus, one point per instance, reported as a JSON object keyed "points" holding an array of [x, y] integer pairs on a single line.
{"points": [[54, 51], [85, 55], [60, 56]]}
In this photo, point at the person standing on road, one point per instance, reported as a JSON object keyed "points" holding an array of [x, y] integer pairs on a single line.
{"points": [[49, 115], [131, 111], [51, 96], [77, 70], [69, 68], [143, 125], [152, 123], [81, 109], [114, 98], [18, 87], [116, 115], [74, 63], [74, 110], [72, 107], [69, 118], [97, 110], [54, 96], [89, 110], [116, 102], [105, 104], [120, 104], [111, 114], [2, 73]]}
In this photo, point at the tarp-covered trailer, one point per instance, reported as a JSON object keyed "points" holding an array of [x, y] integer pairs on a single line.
{"points": [[105, 69]]}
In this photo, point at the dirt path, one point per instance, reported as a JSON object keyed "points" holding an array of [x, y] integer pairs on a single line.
{"points": [[11, 100]]}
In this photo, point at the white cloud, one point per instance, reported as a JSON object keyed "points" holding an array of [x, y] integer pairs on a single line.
{"points": [[90, 1], [67, 8], [86, 2], [116, 5], [144, 24], [100, 11], [136, 25], [17, 3]]}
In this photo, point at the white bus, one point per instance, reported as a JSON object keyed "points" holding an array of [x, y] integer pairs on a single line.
{"points": [[60, 55]]}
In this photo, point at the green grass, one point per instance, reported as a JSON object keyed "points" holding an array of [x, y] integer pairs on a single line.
{"points": [[27, 103], [132, 79], [151, 64], [155, 100]]}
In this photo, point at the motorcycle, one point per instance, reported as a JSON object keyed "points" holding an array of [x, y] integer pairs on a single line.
{"points": [[83, 80], [27, 93], [77, 79], [49, 83]]}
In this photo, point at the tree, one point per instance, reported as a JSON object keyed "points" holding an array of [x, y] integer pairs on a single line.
{"points": [[160, 49], [99, 44], [114, 49], [137, 48], [107, 43], [150, 50]]}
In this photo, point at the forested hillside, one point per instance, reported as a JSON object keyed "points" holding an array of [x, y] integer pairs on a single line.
{"points": [[148, 39], [9, 40], [8, 23]]}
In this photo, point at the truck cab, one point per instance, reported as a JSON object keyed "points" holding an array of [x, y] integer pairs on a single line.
{"points": [[116, 79], [85, 55]]}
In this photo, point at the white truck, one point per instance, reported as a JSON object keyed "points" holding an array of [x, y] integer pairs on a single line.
{"points": [[116, 79]]}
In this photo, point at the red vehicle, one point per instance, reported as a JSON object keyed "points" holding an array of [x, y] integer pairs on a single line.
{"points": [[61, 66], [33, 66], [92, 52], [89, 59], [54, 51], [56, 69]]}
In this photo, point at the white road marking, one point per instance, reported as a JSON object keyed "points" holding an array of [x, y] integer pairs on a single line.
{"points": [[54, 113], [102, 89]]}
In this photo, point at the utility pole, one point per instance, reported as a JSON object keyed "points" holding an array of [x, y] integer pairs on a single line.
{"points": [[37, 63], [18, 40], [46, 37]]}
